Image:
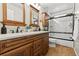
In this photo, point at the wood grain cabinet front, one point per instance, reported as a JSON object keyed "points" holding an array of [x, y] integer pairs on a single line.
{"points": [[25, 50], [34, 45], [37, 47], [45, 43], [28, 50]]}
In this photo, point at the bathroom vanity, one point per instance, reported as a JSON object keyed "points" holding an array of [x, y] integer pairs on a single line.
{"points": [[24, 44]]}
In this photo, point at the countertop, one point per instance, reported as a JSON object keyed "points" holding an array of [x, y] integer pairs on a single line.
{"points": [[16, 35]]}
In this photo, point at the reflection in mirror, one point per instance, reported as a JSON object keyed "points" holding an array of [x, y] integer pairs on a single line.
{"points": [[34, 15]]}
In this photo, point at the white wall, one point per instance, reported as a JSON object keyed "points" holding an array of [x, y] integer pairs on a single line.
{"points": [[76, 29], [75, 34], [76, 25], [41, 17], [27, 13], [1, 17]]}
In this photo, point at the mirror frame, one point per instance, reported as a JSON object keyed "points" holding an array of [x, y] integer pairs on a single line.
{"points": [[36, 10], [10, 22]]}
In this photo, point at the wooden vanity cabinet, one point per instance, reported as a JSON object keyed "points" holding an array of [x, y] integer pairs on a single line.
{"points": [[45, 45], [25, 50], [33, 45], [38, 47], [15, 52], [28, 50]]}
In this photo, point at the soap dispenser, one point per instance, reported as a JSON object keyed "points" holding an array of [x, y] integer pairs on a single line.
{"points": [[3, 29]]}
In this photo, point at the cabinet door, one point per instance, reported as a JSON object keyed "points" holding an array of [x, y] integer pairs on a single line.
{"points": [[29, 50], [15, 52], [37, 47], [45, 45], [21, 51]]}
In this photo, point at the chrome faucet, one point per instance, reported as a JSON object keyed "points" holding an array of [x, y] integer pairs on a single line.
{"points": [[18, 29]]}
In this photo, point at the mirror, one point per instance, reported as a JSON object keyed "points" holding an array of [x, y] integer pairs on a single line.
{"points": [[34, 15], [15, 12]]}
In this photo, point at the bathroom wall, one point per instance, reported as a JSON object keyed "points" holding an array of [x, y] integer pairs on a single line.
{"points": [[1, 19], [1, 12], [27, 14], [41, 17], [76, 30]]}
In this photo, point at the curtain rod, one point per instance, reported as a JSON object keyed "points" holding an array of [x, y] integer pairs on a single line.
{"points": [[70, 14]]}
